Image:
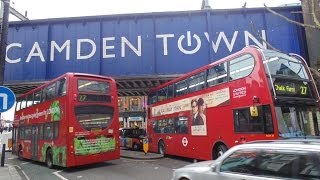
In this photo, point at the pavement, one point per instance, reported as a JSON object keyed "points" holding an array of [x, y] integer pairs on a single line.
{"points": [[9, 172], [127, 153]]}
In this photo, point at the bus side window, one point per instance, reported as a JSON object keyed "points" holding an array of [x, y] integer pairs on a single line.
{"points": [[268, 119], [43, 97], [37, 97], [155, 126], [181, 125], [27, 132], [18, 105], [48, 131], [181, 88], [40, 131], [241, 120], [30, 100], [197, 82], [62, 87], [170, 92], [162, 94], [23, 103], [56, 129], [21, 132], [152, 98], [217, 74], [241, 67], [51, 89]]}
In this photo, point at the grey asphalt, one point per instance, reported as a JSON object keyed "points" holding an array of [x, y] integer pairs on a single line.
{"points": [[8, 171]]}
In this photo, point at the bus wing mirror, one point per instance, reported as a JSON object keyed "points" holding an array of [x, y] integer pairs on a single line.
{"points": [[254, 111]]}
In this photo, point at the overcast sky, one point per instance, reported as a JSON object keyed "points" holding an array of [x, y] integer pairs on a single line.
{"points": [[42, 9]]}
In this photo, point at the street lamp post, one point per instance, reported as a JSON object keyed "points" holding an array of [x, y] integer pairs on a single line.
{"points": [[3, 37]]}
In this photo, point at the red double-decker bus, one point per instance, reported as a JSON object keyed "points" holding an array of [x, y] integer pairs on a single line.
{"points": [[254, 94], [69, 121]]}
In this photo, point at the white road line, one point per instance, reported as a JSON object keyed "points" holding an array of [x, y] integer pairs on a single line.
{"points": [[22, 172], [24, 163], [18, 167], [59, 176], [11, 158]]}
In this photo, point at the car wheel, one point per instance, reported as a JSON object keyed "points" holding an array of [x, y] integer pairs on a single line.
{"points": [[135, 147], [219, 150], [183, 178], [49, 159], [162, 148]]}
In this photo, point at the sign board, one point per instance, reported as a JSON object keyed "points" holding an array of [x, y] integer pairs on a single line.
{"points": [[144, 45], [7, 99]]}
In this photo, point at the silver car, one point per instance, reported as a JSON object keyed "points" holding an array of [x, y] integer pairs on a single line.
{"points": [[280, 159]]}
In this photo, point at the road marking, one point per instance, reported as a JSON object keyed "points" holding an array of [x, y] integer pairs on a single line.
{"points": [[24, 163], [11, 158], [59, 176], [22, 172]]}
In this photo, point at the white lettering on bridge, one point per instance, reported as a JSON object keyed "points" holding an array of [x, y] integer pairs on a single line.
{"points": [[188, 43]]}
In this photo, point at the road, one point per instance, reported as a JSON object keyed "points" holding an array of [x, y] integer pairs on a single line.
{"points": [[122, 169]]}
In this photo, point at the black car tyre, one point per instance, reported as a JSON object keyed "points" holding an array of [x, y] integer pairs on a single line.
{"points": [[135, 147]]}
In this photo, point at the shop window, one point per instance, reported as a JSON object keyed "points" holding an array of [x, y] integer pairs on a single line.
{"points": [[135, 104]]}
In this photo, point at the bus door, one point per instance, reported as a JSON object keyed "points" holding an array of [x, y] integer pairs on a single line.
{"points": [[253, 123], [34, 143], [14, 140]]}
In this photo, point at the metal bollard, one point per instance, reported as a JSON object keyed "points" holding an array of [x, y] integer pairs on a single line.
{"points": [[3, 154]]}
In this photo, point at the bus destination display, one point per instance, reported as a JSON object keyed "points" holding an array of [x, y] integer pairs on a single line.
{"points": [[292, 89]]}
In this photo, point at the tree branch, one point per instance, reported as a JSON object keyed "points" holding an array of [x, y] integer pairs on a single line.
{"points": [[291, 21], [315, 19], [257, 34]]}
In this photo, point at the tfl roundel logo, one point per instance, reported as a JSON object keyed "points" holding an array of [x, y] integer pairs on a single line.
{"points": [[7, 99]]}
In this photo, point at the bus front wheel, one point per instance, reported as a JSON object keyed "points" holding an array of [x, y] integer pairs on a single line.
{"points": [[49, 159], [162, 148]]}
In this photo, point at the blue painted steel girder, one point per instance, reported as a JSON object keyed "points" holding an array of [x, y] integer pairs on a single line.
{"points": [[143, 44]]}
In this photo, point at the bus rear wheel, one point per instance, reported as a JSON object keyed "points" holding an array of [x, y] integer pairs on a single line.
{"points": [[49, 158], [20, 153], [162, 148], [219, 150]]}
